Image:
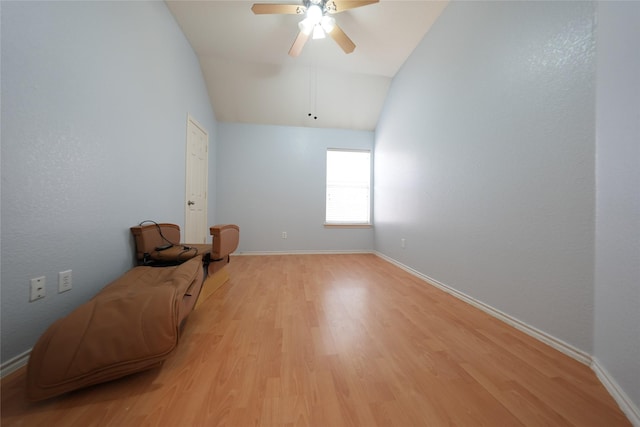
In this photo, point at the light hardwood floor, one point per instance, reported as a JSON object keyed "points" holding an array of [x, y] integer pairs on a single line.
{"points": [[336, 340]]}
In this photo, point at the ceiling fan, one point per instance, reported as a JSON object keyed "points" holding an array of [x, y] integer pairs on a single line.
{"points": [[317, 22]]}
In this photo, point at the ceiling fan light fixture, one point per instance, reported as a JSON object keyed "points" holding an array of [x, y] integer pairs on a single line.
{"points": [[306, 26], [318, 32], [314, 13], [328, 23]]}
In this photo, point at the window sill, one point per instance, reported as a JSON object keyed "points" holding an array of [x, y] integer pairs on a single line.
{"points": [[338, 225]]}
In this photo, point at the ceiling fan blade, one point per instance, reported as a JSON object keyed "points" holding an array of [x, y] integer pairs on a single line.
{"points": [[342, 5], [299, 43], [272, 8], [342, 39]]}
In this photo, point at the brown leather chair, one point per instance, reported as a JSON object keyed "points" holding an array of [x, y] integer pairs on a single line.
{"points": [[133, 323], [158, 244]]}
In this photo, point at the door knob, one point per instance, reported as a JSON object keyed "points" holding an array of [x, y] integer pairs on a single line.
{"points": [[191, 203]]}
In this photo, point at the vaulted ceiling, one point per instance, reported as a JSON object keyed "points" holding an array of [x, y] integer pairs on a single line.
{"points": [[252, 79]]}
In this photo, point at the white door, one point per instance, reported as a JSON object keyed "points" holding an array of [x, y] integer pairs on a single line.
{"points": [[195, 225]]}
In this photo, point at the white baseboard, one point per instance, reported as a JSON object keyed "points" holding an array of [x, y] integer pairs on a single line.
{"points": [[554, 342], [303, 252], [12, 365], [621, 398], [626, 405]]}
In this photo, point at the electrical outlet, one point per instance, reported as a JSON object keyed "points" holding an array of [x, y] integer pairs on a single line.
{"points": [[37, 288], [284, 234], [64, 281], [403, 243]]}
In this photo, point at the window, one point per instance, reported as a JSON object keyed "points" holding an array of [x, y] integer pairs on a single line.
{"points": [[348, 187]]}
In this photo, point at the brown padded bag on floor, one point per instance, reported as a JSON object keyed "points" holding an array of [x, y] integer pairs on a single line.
{"points": [[133, 324]]}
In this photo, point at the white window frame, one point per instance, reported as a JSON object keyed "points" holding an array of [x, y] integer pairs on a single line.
{"points": [[346, 223]]}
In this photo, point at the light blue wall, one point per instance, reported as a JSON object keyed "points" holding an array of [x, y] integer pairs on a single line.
{"points": [[617, 274], [514, 181], [95, 97], [485, 161], [272, 179]]}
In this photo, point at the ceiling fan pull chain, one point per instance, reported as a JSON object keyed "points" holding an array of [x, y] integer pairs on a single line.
{"points": [[313, 86]]}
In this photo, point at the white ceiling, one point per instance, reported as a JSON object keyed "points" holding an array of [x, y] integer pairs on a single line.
{"points": [[251, 78]]}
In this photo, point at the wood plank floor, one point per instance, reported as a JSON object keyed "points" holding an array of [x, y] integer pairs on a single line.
{"points": [[336, 340]]}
